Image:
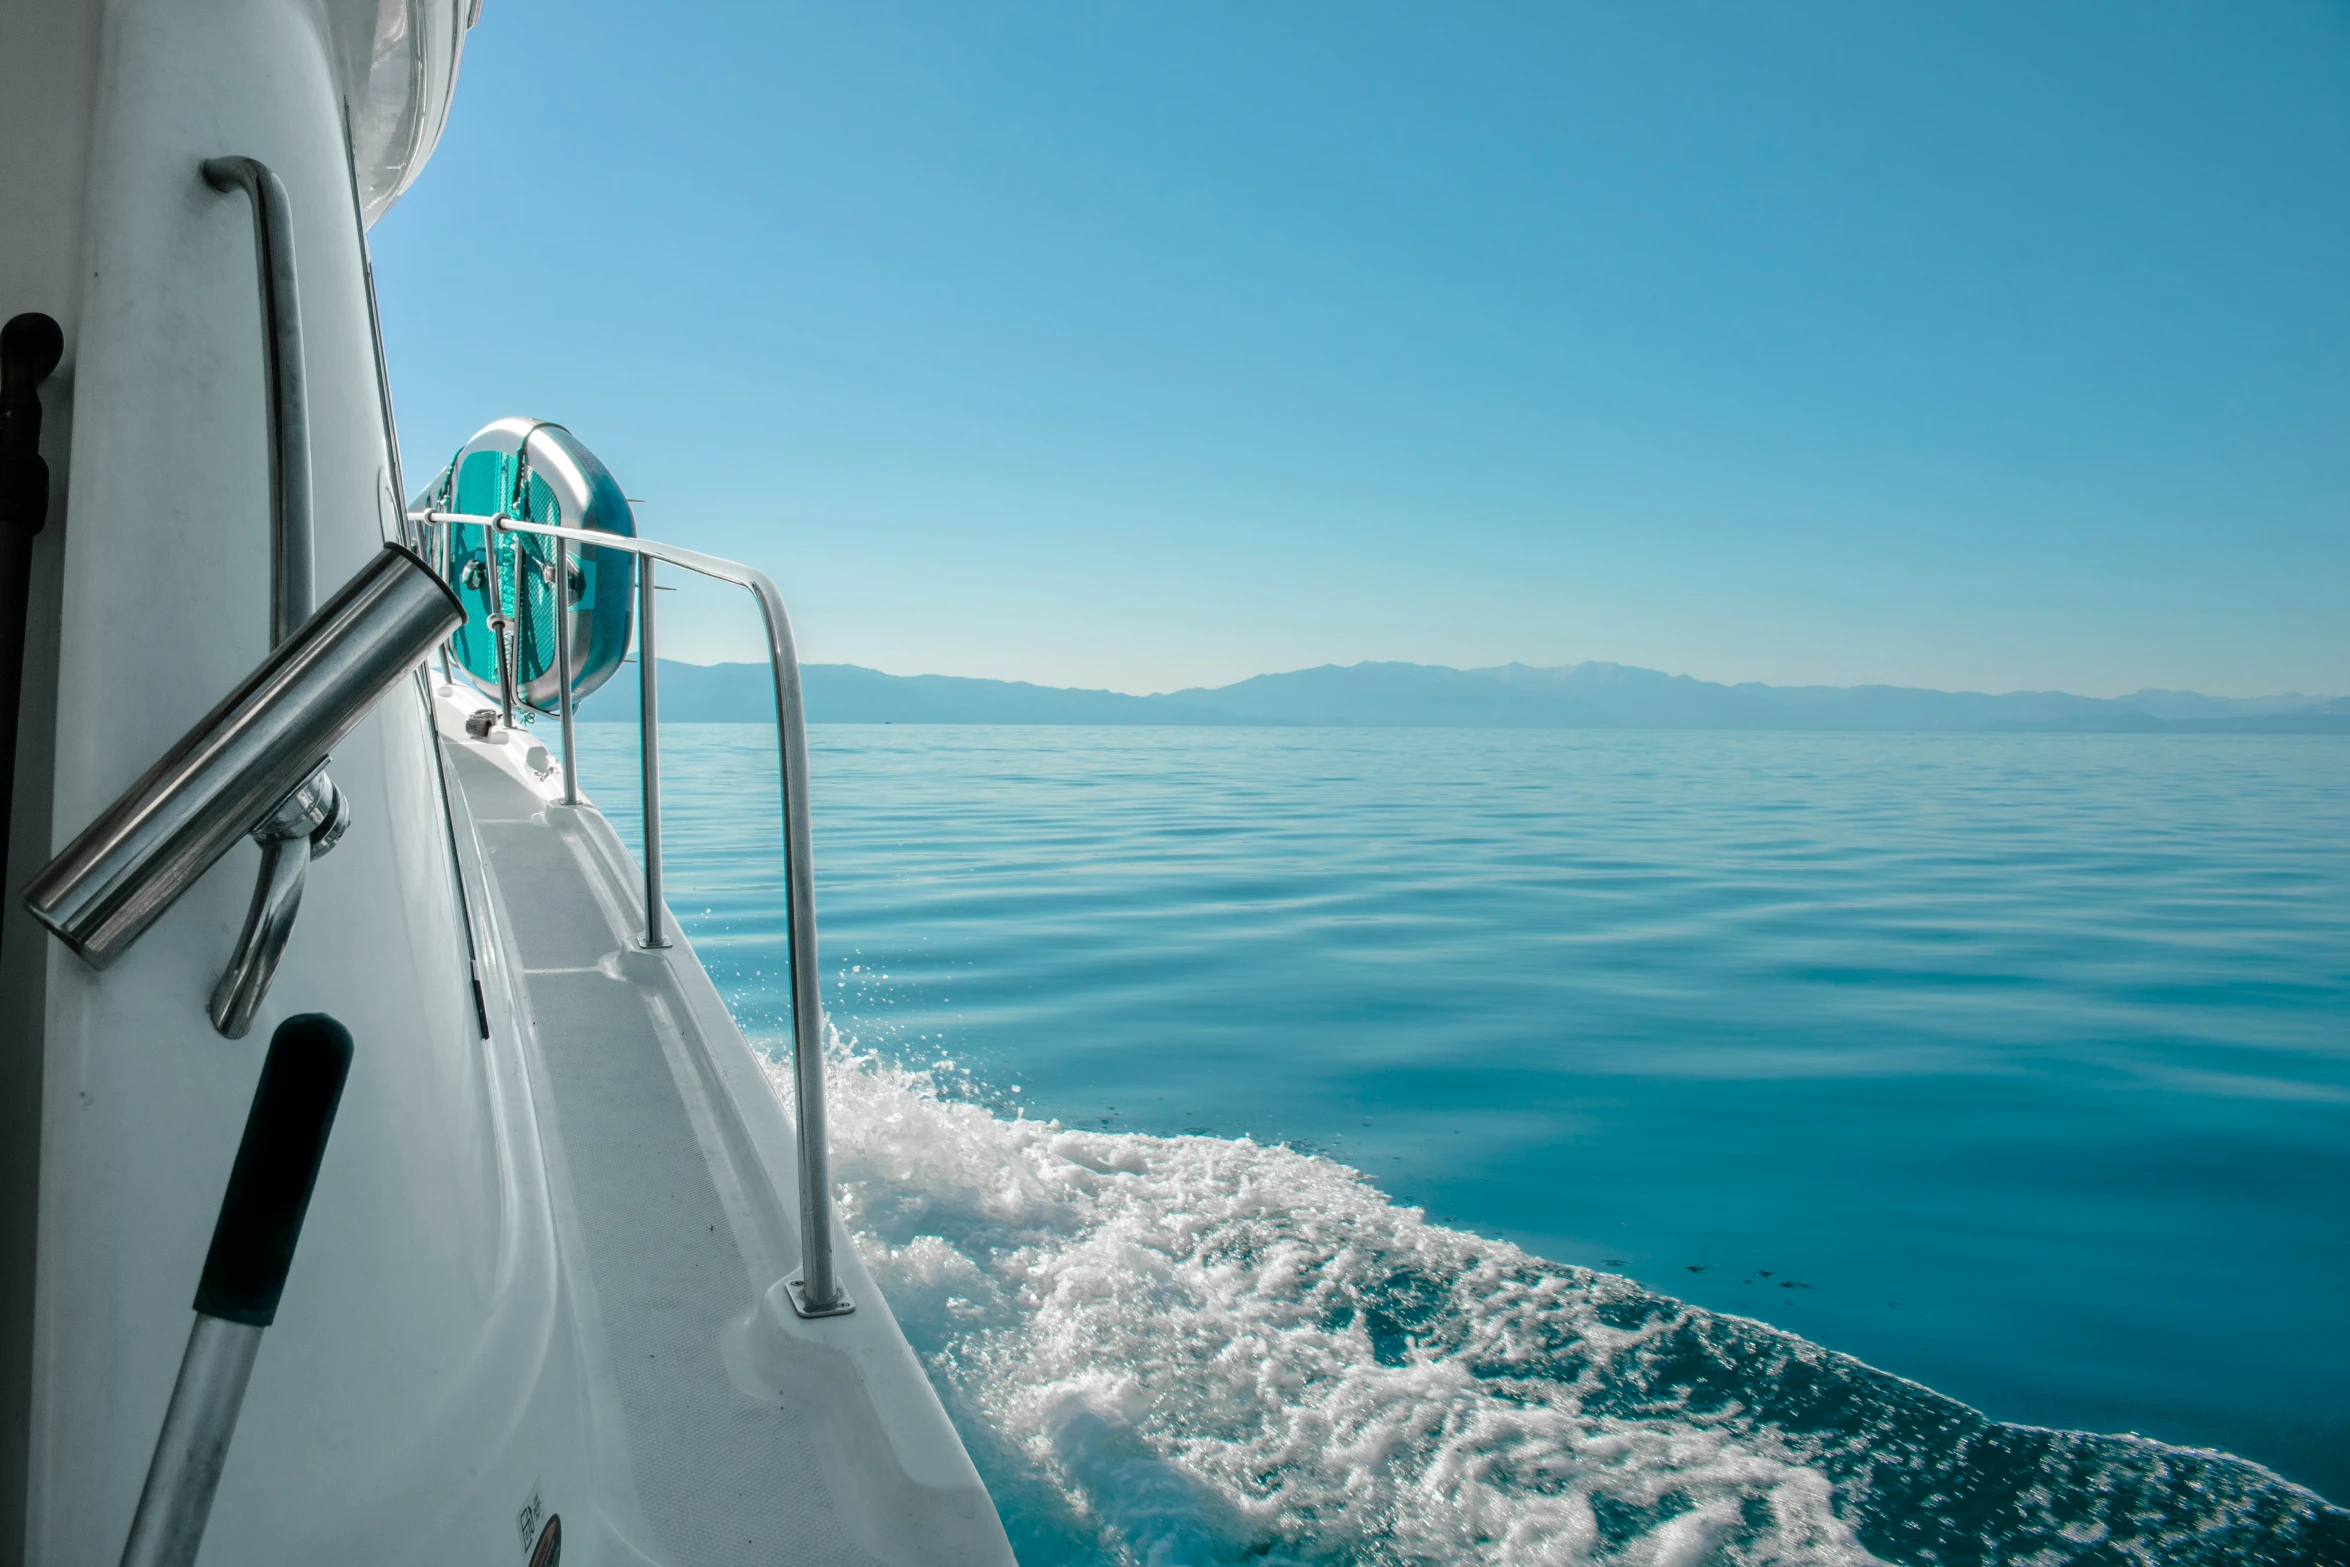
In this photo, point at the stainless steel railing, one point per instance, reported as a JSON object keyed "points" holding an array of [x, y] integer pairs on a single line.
{"points": [[815, 1290], [312, 819], [292, 579]]}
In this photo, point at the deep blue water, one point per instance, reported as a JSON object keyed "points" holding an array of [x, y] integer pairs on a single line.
{"points": [[2016, 1065]]}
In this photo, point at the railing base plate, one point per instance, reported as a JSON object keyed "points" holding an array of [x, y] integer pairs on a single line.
{"points": [[795, 1288]]}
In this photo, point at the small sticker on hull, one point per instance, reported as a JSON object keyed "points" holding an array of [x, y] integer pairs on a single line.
{"points": [[530, 1523]]}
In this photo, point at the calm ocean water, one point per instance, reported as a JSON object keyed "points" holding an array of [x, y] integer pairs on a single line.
{"points": [[2015, 1066]]}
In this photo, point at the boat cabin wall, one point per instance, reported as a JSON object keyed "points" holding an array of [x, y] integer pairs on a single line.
{"points": [[48, 56], [413, 1393]]}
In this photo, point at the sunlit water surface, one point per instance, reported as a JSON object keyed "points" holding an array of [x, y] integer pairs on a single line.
{"points": [[1388, 1146]]}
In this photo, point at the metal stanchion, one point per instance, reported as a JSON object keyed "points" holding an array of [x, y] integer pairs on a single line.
{"points": [[506, 624], [563, 667], [649, 749]]}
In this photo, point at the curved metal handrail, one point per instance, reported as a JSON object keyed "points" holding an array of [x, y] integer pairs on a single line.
{"points": [[293, 581], [816, 1290]]}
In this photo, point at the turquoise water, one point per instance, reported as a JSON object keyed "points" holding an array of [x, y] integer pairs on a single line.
{"points": [[2015, 1066]]}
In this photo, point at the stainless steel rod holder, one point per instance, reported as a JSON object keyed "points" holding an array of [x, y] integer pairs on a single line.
{"points": [[649, 751], [563, 663], [230, 773]]}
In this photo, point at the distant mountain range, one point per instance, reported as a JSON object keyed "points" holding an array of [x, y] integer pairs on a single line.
{"points": [[1514, 696]]}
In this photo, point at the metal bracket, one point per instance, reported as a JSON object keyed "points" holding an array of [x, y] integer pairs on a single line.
{"points": [[305, 825], [795, 1287]]}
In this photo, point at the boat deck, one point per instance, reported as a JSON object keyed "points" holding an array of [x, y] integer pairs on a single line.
{"points": [[726, 1428]]}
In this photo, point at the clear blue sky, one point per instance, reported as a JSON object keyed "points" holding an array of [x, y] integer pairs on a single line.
{"points": [[1984, 346]]}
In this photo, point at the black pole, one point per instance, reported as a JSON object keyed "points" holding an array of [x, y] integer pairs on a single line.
{"points": [[30, 346], [244, 1275]]}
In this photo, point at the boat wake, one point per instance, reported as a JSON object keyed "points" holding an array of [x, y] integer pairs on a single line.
{"points": [[1179, 1350]]}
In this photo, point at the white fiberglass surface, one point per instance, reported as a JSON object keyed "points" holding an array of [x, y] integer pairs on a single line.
{"points": [[403, 1392]]}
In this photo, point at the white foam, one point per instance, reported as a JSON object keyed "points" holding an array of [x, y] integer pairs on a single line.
{"points": [[1200, 1350]]}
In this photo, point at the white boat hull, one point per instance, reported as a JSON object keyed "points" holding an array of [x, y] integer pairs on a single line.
{"points": [[441, 1376]]}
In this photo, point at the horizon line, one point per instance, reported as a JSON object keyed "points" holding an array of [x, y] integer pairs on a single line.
{"points": [[1460, 669]]}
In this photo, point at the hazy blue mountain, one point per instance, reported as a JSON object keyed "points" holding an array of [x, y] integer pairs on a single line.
{"points": [[850, 694], [2310, 721], [2194, 704], [1397, 696], [1908, 707], [1645, 699], [1515, 696]]}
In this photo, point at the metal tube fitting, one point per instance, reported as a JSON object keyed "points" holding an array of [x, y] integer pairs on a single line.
{"points": [[230, 774], [305, 825]]}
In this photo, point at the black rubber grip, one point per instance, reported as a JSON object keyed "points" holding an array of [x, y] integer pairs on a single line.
{"points": [[277, 1165]]}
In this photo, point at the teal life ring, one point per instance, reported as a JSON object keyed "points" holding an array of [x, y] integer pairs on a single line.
{"points": [[533, 471]]}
